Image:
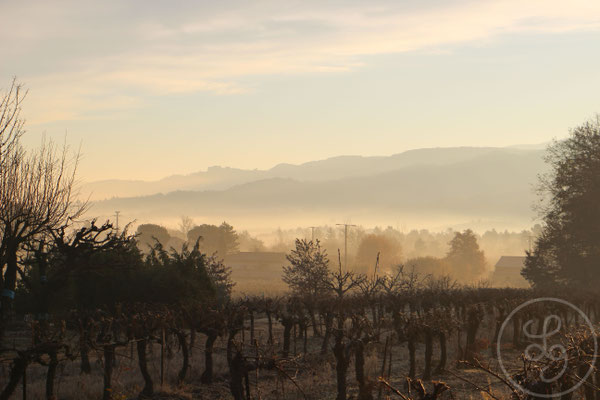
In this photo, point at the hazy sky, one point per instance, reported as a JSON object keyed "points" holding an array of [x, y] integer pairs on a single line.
{"points": [[153, 88]]}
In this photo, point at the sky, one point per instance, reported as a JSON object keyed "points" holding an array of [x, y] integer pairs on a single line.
{"points": [[148, 89]]}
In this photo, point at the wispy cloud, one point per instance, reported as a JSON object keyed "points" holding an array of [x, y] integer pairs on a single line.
{"points": [[89, 56]]}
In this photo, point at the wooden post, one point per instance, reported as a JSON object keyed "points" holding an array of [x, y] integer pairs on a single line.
{"points": [[257, 369], [25, 383], [162, 357], [305, 349], [294, 339], [391, 360], [244, 330], [131, 352], [382, 374], [251, 327], [192, 341]]}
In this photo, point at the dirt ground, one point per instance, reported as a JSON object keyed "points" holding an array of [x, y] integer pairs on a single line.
{"points": [[311, 376]]}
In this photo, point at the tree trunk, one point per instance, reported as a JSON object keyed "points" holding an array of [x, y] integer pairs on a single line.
{"points": [[148, 389], [597, 375], [364, 388], [86, 367], [251, 328], [472, 328], [16, 373], [341, 367], [460, 352], [315, 325], [443, 354], [375, 320], [588, 385], [207, 375], [236, 372], [109, 355], [84, 349], [428, 354], [294, 336], [270, 321], [411, 357], [185, 353], [499, 320], [287, 331], [50, 375], [305, 346], [391, 358], [516, 332], [243, 329], [7, 289], [192, 340], [327, 336]]}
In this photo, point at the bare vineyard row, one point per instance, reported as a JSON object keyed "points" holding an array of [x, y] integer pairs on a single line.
{"points": [[354, 315]]}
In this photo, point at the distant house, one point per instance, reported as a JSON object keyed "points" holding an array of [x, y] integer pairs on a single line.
{"points": [[257, 272], [507, 272], [251, 260]]}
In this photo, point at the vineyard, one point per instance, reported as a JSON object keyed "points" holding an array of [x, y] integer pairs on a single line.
{"points": [[86, 324]]}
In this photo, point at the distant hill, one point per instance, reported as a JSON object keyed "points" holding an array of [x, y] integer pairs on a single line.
{"points": [[466, 183], [220, 178], [215, 178]]}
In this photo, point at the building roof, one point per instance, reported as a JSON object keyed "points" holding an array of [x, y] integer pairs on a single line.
{"points": [[517, 262]]}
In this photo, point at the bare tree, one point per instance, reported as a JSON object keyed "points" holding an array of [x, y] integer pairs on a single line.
{"points": [[11, 124], [307, 275], [36, 195], [342, 283], [185, 225]]}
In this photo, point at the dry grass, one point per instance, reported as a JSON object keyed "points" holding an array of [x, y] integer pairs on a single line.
{"points": [[316, 377]]}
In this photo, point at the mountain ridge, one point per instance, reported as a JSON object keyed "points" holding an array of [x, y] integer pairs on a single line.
{"points": [[220, 178], [469, 184]]}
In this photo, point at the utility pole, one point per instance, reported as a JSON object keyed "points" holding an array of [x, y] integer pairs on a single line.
{"points": [[117, 215], [345, 244], [312, 229]]}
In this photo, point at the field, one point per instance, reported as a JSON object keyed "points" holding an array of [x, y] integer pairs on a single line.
{"points": [[305, 372], [315, 374]]}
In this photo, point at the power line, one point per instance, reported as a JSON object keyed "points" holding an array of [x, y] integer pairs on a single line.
{"points": [[345, 244]]}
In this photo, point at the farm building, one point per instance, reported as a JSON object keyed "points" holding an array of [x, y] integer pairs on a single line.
{"points": [[507, 272], [257, 272], [250, 260]]}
